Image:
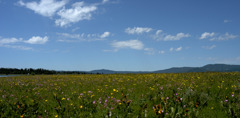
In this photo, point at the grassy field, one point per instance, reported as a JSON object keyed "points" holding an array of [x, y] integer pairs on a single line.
{"points": [[121, 95]]}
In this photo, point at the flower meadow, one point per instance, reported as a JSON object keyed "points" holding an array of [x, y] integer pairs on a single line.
{"points": [[209, 94]]}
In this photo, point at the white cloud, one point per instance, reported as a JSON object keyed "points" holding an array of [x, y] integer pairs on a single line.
{"points": [[209, 47], [161, 52], [207, 35], [159, 35], [133, 44], [178, 49], [217, 37], [9, 40], [177, 37], [105, 34], [44, 7], [16, 47], [82, 37], [104, 1], [37, 40], [78, 12], [138, 30], [149, 51], [226, 36], [158, 32]]}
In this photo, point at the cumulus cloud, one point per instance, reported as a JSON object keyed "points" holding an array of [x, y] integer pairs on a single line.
{"points": [[161, 36], [226, 36], [132, 44], [78, 12], [207, 35], [217, 37], [44, 7], [63, 15], [138, 30], [37, 40], [178, 49], [158, 32], [177, 37], [9, 40], [105, 34]]}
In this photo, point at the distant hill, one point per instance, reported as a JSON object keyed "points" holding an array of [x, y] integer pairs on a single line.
{"points": [[206, 68]]}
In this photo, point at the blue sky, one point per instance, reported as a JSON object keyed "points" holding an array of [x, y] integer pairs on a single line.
{"points": [[135, 35]]}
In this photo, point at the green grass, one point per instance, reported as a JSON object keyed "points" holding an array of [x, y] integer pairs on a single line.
{"points": [[121, 95]]}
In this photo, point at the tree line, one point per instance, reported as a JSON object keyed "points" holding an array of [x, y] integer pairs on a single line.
{"points": [[38, 71]]}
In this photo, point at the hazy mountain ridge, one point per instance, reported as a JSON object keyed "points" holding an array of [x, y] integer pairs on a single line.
{"points": [[206, 68]]}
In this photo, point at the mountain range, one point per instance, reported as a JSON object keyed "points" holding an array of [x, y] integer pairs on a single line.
{"points": [[206, 68]]}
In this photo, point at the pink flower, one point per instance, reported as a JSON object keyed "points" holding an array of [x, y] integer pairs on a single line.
{"points": [[94, 102]]}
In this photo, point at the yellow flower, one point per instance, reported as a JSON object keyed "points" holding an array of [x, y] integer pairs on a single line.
{"points": [[22, 116], [114, 89], [120, 103], [56, 116], [45, 100], [159, 111], [81, 107], [211, 107], [63, 98]]}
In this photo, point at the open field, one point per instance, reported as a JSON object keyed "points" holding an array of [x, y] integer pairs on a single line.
{"points": [[121, 95]]}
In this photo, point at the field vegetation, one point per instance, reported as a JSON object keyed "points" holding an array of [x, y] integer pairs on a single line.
{"points": [[121, 95]]}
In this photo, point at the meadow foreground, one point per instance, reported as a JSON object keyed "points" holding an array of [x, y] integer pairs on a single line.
{"points": [[121, 95]]}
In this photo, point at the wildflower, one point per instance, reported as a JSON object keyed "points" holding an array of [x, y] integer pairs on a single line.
{"points": [[120, 103], [226, 100], [81, 94], [68, 98], [167, 98], [46, 100], [114, 90], [232, 95], [63, 98], [211, 107], [94, 102], [81, 106], [160, 111], [56, 116], [176, 94], [22, 116]]}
